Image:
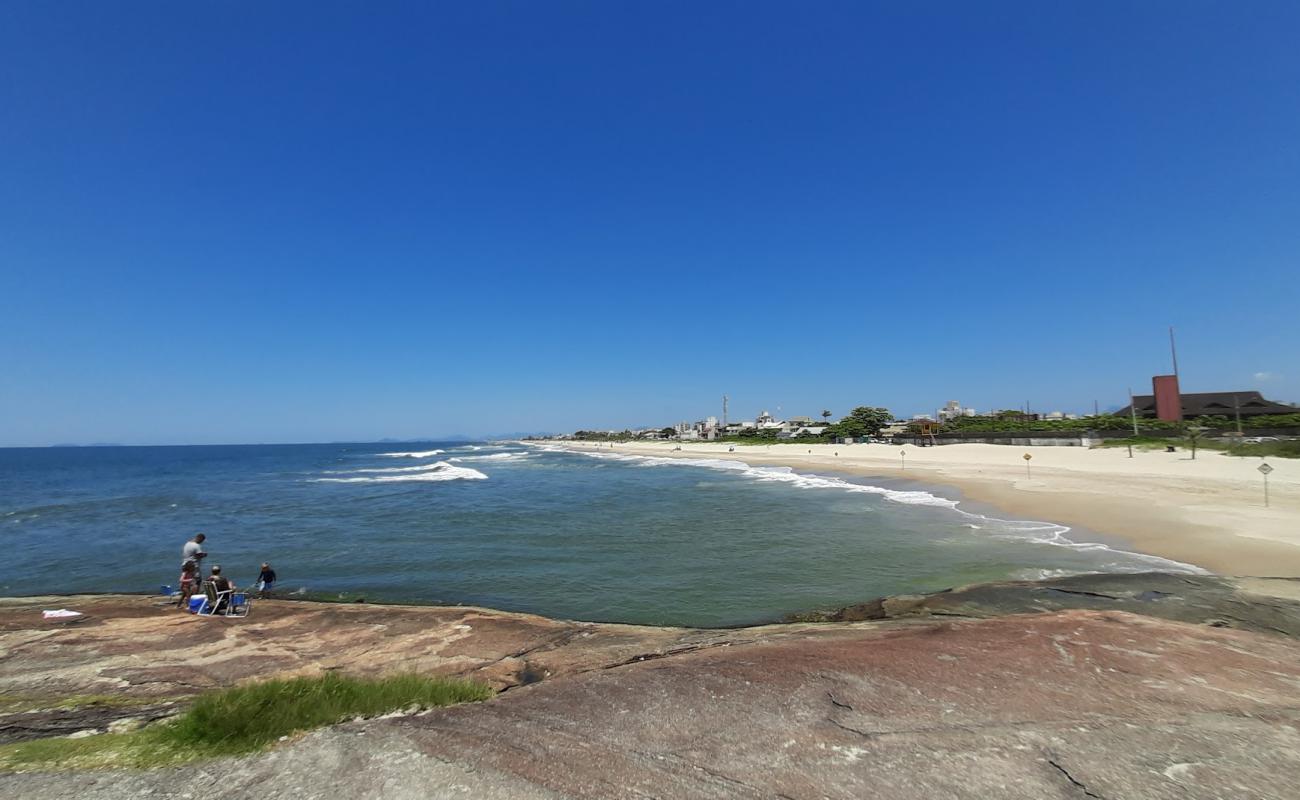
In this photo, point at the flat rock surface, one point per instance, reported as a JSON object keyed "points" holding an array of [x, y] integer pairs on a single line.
{"points": [[1266, 605], [1067, 704], [142, 651]]}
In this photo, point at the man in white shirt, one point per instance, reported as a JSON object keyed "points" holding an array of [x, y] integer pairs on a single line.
{"points": [[193, 551]]}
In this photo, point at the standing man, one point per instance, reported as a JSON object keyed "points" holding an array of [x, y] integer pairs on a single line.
{"points": [[194, 553]]}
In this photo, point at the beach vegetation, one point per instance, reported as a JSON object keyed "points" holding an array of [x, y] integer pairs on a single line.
{"points": [[605, 436], [860, 423], [1227, 446], [1273, 421], [244, 719], [1013, 421]]}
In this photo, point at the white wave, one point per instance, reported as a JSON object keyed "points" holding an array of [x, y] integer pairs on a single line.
{"points": [[1031, 530], [416, 468], [423, 454], [441, 471], [516, 456], [783, 475]]}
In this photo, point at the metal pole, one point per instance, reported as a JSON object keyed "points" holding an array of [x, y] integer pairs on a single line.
{"points": [[1265, 490], [1027, 475], [1173, 351], [1236, 408], [1132, 410]]}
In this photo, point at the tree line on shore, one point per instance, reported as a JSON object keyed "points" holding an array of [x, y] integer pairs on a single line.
{"points": [[868, 421]]}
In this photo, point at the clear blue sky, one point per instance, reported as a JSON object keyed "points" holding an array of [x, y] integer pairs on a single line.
{"points": [[247, 222]]}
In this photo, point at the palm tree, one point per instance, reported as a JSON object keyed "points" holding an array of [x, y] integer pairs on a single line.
{"points": [[826, 415]]}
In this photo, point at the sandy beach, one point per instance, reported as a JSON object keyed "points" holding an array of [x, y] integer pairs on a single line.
{"points": [[1209, 511]]}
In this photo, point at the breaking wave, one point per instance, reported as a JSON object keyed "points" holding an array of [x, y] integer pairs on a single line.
{"points": [[441, 471], [1031, 530], [514, 456], [423, 454], [417, 468]]}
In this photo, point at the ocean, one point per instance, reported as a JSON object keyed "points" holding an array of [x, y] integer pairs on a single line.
{"points": [[599, 536]]}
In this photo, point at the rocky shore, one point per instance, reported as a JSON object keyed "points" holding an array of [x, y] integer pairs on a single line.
{"points": [[1144, 686]]}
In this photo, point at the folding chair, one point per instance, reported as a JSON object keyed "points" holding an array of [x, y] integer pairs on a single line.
{"points": [[223, 603]]}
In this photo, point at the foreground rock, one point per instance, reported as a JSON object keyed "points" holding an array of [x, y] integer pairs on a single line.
{"points": [[1075, 704], [136, 657], [938, 702]]}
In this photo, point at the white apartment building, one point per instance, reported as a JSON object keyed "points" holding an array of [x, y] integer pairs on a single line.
{"points": [[952, 410]]}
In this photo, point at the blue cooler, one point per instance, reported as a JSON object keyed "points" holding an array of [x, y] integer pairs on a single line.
{"points": [[196, 603]]}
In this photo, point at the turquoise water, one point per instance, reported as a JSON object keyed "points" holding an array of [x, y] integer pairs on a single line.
{"points": [[592, 536]]}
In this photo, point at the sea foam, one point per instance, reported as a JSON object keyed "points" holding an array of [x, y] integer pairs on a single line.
{"points": [[514, 456], [441, 471], [424, 454], [417, 468]]}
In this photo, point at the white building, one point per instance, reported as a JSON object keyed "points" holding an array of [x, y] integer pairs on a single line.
{"points": [[952, 410]]}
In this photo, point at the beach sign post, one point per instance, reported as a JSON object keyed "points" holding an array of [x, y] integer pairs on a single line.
{"points": [[902, 454], [1264, 469], [1027, 457]]}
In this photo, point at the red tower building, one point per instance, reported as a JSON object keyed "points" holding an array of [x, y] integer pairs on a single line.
{"points": [[1169, 403]]}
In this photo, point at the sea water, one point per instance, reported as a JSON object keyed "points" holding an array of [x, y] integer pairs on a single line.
{"points": [[596, 535]]}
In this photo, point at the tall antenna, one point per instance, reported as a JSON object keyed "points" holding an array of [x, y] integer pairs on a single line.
{"points": [[1173, 351], [724, 411]]}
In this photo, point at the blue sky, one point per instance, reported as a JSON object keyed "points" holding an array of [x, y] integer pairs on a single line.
{"points": [[246, 222]]}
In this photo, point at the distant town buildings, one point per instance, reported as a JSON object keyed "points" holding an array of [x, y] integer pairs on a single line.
{"points": [[1166, 402], [710, 428], [952, 410]]}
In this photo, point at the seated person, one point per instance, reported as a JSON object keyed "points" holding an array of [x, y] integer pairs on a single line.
{"points": [[222, 584]]}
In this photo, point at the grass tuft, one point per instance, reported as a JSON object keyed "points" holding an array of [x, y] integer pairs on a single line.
{"points": [[249, 717], [244, 719]]}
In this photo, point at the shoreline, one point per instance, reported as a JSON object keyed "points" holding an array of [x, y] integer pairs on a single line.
{"points": [[1207, 512]]}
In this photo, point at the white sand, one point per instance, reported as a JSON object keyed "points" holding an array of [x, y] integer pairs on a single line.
{"points": [[1208, 511]]}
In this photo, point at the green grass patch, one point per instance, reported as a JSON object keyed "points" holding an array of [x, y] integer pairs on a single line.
{"points": [[1262, 449], [1142, 442], [243, 719], [14, 703], [1286, 449]]}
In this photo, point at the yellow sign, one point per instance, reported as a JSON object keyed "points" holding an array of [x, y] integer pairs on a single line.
{"points": [[1027, 456]]}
